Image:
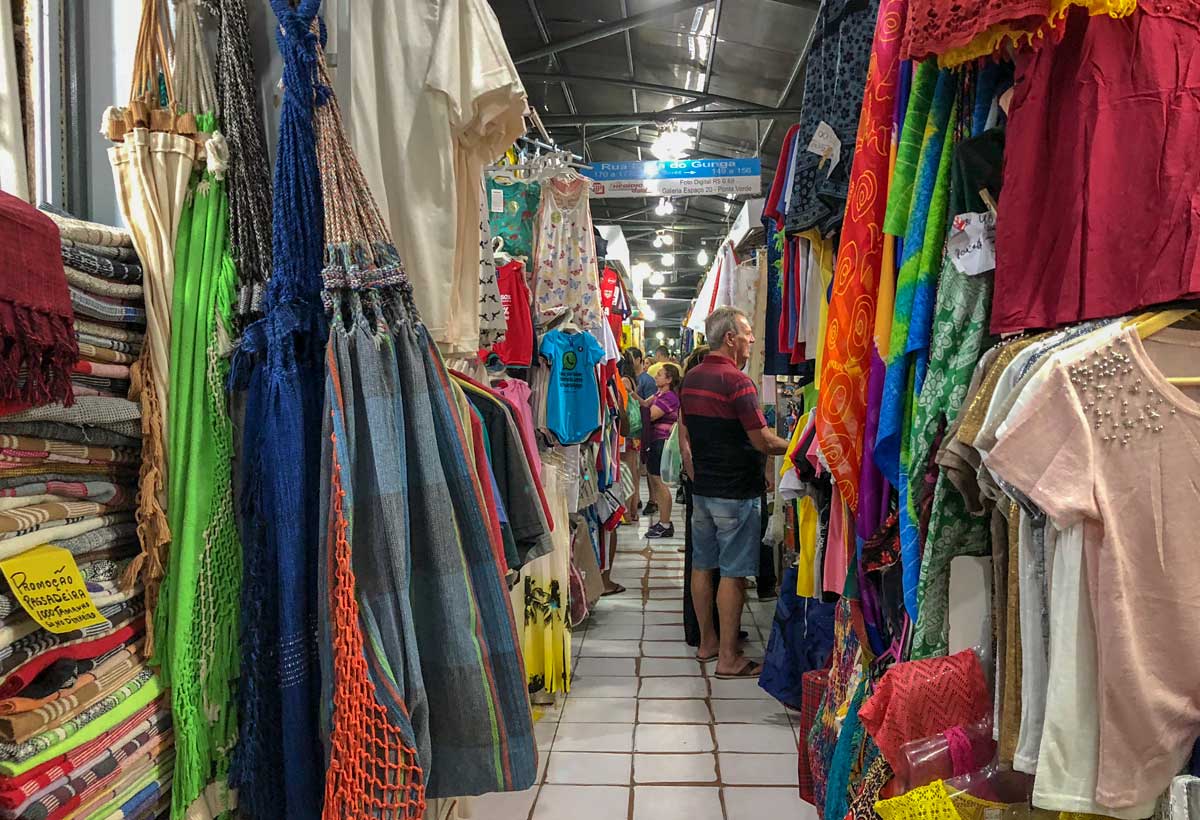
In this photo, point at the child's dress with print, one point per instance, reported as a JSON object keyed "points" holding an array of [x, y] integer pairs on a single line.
{"points": [[565, 270]]}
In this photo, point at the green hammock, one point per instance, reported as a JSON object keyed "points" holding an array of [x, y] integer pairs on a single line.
{"points": [[197, 616]]}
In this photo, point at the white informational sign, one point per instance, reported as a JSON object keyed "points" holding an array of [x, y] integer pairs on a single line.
{"points": [[710, 177]]}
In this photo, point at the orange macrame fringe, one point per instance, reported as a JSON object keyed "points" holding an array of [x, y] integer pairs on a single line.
{"points": [[373, 773]]}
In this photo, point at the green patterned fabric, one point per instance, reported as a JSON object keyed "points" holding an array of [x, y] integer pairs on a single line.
{"points": [[196, 621], [513, 222], [959, 337]]}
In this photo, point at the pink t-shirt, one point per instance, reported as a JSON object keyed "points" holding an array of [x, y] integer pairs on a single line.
{"points": [[1109, 443], [517, 392]]}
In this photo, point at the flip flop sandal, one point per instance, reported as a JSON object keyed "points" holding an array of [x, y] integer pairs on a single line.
{"points": [[750, 669], [712, 658], [615, 591]]}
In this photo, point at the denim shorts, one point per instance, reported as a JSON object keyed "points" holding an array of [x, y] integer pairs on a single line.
{"points": [[725, 534]]}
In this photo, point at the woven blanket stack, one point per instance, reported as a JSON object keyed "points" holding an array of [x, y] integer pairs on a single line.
{"points": [[85, 727]]}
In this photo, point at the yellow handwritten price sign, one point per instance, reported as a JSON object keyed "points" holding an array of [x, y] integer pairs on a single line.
{"points": [[47, 583]]}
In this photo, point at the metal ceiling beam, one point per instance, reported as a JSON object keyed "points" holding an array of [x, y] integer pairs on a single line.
{"points": [[708, 71], [539, 22], [625, 129], [662, 117], [793, 78], [666, 90], [607, 30]]}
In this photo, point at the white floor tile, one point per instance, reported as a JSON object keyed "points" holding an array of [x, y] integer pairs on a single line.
{"points": [[677, 803], [674, 768], [594, 737], [600, 710], [665, 618], [543, 732], [742, 688], [758, 770], [580, 803], [740, 737], [615, 632], [668, 737], [605, 667], [505, 805], [613, 617], [670, 666], [590, 768], [664, 605], [766, 712], [608, 648], [663, 633], [603, 687], [673, 688], [667, 649], [673, 711], [756, 804]]}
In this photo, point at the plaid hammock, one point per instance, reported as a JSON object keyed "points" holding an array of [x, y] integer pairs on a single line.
{"points": [[410, 588]]}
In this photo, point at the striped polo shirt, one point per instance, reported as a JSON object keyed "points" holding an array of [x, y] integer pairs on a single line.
{"points": [[719, 405]]}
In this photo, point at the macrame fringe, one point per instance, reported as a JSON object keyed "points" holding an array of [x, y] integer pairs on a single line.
{"points": [[154, 533], [37, 352]]}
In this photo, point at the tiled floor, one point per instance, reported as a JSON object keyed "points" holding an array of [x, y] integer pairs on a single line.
{"points": [[647, 733]]}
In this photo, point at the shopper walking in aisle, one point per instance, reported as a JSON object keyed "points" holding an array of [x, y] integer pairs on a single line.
{"points": [[664, 411], [646, 388], [723, 442]]}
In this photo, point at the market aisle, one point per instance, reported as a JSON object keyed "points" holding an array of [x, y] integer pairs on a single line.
{"points": [[647, 733]]}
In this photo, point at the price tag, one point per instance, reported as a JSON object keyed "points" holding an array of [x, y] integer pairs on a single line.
{"points": [[497, 201], [972, 243], [826, 145], [48, 585]]}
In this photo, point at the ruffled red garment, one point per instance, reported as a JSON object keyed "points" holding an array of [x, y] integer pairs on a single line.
{"points": [[919, 699]]}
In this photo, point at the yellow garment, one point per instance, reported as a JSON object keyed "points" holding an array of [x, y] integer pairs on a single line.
{"points": [[826, 253], [885, 299], [989, 42], [807, 577], [934, 802], [793, 443]]}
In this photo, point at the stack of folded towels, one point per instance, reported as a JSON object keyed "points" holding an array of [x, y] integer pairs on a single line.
{"points": [[85, 727]]}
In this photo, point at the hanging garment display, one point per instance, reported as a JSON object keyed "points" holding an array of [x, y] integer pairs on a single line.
{"points": [[249, 184], [196, 619], [152, 165], [573, 397], [1115, 260], [512, 210], [434, 607], [435, 98], [834, 76], [958, 34], [859, 270], [565, 273], [278, 759]]}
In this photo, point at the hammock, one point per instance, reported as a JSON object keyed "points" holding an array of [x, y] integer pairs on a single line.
{"points": [[278, 763], [411, 595]]}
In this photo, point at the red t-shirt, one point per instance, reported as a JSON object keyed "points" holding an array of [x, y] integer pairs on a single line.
{"points": [[516, 348], [610, 290]]}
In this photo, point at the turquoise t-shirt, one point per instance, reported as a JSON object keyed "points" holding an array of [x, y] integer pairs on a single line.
{"points": [[573, 398]]}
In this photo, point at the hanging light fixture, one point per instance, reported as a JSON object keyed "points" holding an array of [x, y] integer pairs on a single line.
{"points": [[658, 241], [672, 142], [660, 294], [668, 239], [642, 270], [664, 207], [657, 278], [668, 260], [702, 257], [660, 335], [649, 315]]}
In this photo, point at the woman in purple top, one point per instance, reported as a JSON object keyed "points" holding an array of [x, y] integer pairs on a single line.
{"points": [[664, 412]]}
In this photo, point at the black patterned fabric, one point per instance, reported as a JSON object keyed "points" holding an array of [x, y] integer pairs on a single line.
{"points": [[834, 79]]}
